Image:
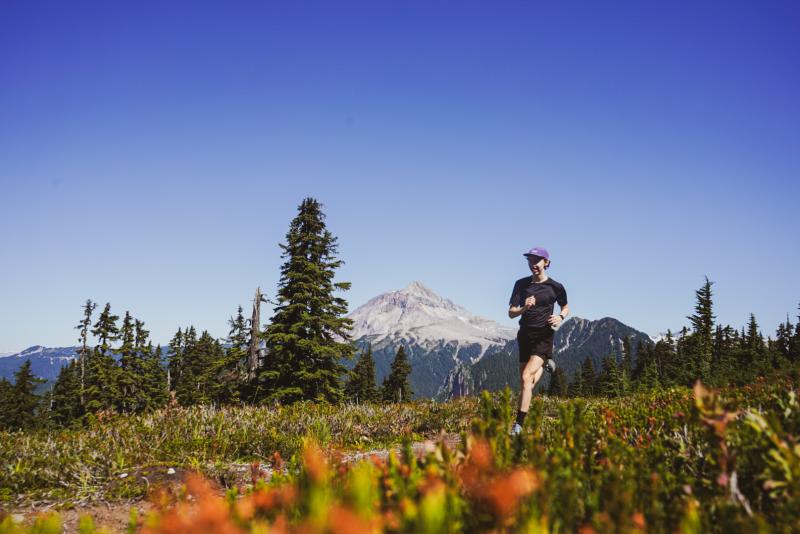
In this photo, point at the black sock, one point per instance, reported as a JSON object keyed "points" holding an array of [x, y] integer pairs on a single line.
{"points": [[521, 417]]}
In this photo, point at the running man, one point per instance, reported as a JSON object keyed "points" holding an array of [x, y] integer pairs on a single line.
{"points": [[534, 298]]}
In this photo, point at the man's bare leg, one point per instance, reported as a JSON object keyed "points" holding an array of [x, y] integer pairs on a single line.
{"points": [[530, 373]]}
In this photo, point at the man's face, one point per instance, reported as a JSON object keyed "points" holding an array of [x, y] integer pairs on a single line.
{"points": [[536, 264]]}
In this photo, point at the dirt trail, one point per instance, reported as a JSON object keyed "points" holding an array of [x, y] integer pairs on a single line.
{"points": [[115, 515]]}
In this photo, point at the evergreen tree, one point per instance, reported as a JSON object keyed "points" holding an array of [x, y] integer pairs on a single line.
{"points": [[83, 326], [175, 363], [127, 378], [576, 387], [753, 339], [234, 372], [649, 378], [643, 357], [703, 327], [303, 353], [794, 342], [100, 392], [588, 378], [668, 362], [627, 356], [558, 383], [6, 400], [192, 365], [155, 378], [65, 396], [361, 386], [610, 382], [783, 339], [396, 387], [21, 411], [724, 360]]}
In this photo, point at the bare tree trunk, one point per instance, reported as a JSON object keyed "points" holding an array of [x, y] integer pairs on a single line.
{"points": [[83, 367], [255, 335]]}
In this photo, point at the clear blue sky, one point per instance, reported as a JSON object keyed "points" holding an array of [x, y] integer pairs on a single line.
{"points": [[153, 156]]}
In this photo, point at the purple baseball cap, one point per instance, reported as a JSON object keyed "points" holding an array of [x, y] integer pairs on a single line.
{"points": [[538, 251]]}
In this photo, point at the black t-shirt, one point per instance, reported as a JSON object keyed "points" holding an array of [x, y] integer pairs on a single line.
{"points": [[547, 293]]}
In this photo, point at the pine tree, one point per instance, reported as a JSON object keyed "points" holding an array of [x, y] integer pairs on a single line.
{"points": [[126, 374], [361, 386], [588, 378], [83, 326], [21, 411], [755, 354], [576, 387], [234, 371], [175, 363], [192, 364], [154, 384], [783, 338], [649, 378], [65, 399], [794, 341], [610, 383], [101, 380], [724, 360], [396, 387], [703, 330], [754, 339], [6, 400], [303, 354], [668, 363], [558, 383], [627, 356], [643, 357]]}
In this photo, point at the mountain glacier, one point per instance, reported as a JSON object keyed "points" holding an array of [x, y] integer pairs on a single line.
{"points": [[418, 315]]}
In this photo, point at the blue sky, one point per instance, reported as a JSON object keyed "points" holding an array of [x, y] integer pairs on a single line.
{"points": [[153, 156]]}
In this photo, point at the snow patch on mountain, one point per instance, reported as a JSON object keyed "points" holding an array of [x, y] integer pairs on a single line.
{"points": [[417, 313]]}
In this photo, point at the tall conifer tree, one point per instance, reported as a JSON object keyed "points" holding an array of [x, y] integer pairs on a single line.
{"points": [[127, 378], [6, 399], [396, 387], [558, 383], [703, 331], [101, 380], [588, 378], [175, 363], [361, 386], [65, 400], [83, 326], [21, 412], [303, 344], [234, 372]]}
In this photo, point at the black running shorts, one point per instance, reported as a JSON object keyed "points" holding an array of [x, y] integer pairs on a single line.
{"points": [[535, 341]]}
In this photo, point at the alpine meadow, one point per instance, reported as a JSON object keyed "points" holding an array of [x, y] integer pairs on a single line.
{"points": [[268, 431]]}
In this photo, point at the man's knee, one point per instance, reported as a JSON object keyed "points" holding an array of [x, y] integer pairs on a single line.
{"points": [[530, 370]]}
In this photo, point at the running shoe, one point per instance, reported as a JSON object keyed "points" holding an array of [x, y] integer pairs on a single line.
{"points": [[516, 429]]}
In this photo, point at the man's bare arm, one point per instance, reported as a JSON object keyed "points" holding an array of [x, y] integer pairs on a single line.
{"points": [[515, 311]]}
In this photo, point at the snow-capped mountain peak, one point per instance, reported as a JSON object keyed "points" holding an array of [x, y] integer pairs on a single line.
{"points": [[418, 314]]}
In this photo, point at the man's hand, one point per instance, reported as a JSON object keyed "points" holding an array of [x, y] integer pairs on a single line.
{"points": [[530, 302], [554, 320]]}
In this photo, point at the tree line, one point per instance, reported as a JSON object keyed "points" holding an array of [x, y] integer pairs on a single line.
{"points": [[303, 348], [715, 354]]}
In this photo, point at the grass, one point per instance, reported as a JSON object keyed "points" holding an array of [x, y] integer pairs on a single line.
{"points": [[676, 460]]}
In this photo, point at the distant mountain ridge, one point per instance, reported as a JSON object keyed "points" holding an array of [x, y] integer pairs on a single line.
{"points": [[46, 362], [452, 351]]}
